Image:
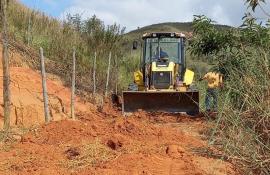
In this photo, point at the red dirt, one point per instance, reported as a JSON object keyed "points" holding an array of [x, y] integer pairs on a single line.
{"points": [[27, 99], [99, 142]]}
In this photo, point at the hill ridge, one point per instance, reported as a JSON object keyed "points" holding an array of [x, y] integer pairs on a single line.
{"points": [[185, 27]]}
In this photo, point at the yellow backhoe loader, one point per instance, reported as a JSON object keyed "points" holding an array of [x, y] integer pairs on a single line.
{"points": [[163, 84]]}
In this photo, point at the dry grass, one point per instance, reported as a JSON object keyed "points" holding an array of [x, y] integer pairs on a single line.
{"points": [[33, 29], [88, 155]]}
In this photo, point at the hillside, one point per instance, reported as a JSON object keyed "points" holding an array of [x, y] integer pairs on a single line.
{"points": [[185, 27], [58, 39]]}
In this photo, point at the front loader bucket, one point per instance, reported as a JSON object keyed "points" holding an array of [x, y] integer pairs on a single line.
{"points": [[159, 101]]}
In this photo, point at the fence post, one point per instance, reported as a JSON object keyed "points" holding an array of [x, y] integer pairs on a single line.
{"points": [[94, 74], [108, 75], [44, 87], [29, 29], [116, 73], [73, 85], [5, 62]]}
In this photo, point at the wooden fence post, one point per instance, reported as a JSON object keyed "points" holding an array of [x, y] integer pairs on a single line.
{"points": [[73, 85], [117, 74], [94, 74], [29, 29], [44, 87], [108, 75], [5, 62]]}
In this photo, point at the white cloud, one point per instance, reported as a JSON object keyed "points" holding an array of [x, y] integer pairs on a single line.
{"points": [[219, 14], [138, 13]]}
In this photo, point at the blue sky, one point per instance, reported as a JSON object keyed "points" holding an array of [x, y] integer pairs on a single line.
{"points": [[51, 7], [138, 13]]}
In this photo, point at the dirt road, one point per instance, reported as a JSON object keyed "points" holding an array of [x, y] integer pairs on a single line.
{"points": [[99, 142]]}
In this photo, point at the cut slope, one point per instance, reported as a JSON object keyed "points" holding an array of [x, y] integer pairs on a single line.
{"points": [[26, 95]]}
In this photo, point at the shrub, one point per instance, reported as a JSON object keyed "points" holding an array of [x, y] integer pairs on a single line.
{"points": [[242, 55]]}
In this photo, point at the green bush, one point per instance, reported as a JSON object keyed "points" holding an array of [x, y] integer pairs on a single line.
{"points": [[243, 56]]}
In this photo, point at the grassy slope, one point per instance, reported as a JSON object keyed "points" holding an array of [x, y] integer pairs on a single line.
{"points": [[42, 35]]}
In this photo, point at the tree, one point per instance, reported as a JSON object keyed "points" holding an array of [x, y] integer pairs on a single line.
{"points": [[5, 62], [75, 21], [253, 4]]}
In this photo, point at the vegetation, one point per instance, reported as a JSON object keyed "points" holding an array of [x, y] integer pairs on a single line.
{"points": [[243, 56], [35, 29], [58, 39]]}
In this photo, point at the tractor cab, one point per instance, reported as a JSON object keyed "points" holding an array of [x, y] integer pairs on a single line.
{"points": [[164, 53], [158, 46]]}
